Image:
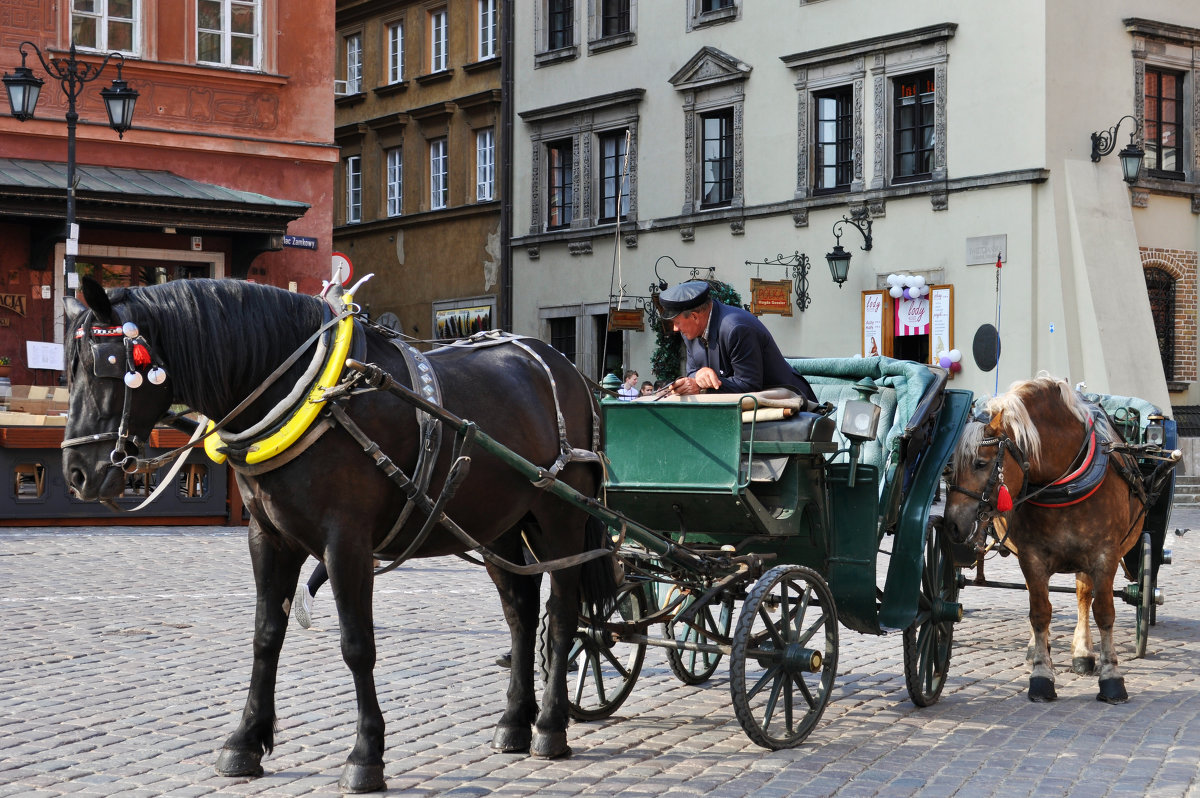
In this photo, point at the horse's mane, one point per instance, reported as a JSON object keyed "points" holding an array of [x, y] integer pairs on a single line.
{"points": [[1010, 409], [219, 336]]}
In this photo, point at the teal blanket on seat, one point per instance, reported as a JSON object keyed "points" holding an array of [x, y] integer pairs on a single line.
{"points": [[902, 384]]}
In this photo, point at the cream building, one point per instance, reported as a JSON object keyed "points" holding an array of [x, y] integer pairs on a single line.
{"points": [[962, 131]]}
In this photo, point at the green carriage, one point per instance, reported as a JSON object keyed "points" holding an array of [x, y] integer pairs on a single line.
{"points": [[725, 509]]}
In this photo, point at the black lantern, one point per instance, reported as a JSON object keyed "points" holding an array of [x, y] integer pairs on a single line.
{"points": [[1104, 141], [839, 259], [23, 89], [119, 101]]}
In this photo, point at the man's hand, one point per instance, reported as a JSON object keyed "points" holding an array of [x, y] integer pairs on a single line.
{"points": [[705, 379]]}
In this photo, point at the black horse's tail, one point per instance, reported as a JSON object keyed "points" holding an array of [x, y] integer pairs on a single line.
{"points": [[598, 577]]}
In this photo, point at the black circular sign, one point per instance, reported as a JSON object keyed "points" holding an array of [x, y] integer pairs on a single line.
{"points": [[986, 347]]}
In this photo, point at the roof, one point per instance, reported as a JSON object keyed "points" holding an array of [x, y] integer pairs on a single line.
{"points": [[30, 188]]}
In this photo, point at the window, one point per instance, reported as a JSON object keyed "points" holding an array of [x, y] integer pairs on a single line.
{"points": [[353, 189], [561, 24], [615, 18], [614, 178], [489, 31], [485, 165], [105, 25], [702, 13], [437, 41], [560, 183], [1160, 286], [708, 6], [439, 174], [227, 33], [1163, 125], [913, 127], [395, 181], [562, 336], [395, 52], [354, 63], [833, 148], [716, 132]]}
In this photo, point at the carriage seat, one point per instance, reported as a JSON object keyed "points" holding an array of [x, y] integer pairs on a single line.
{"points": [[799, 428]]}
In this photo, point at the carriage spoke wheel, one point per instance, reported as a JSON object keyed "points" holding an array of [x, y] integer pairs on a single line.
{"points": [[929, 639], [716, 619], [600, 673], [784, 656], [1145, 603]]}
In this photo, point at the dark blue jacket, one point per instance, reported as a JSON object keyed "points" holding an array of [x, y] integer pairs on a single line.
{"points": [[743, 353]]}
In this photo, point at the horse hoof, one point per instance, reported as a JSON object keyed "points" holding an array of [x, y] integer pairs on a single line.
{"points": [[1041, 689], [551, 745], [362, 778], [234, 762], [1112, 691], [512, 739], [1083, 666]]}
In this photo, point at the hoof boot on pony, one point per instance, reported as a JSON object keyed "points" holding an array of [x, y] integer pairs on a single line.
{"points": [[1008, 476], [330, 496]]}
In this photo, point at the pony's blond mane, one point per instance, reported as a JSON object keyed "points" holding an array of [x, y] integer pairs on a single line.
{"points": [[1009, 410]]}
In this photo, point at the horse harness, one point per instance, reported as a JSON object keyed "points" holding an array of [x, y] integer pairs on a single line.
{"points": [[1101, 447], [426, 399]]}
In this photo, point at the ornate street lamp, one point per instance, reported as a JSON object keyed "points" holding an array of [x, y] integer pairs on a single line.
{"points": [[24, 88], [1103, 142], [839, 259]]}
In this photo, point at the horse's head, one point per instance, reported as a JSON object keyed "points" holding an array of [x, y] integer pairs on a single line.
{"points": [[118, 391], [989, 471]]}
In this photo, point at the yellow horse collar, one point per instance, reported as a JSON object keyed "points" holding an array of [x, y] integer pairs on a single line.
{"points": [[307, 412]]}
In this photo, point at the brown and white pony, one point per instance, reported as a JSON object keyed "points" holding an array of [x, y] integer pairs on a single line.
{"points": [[1037, 475]]}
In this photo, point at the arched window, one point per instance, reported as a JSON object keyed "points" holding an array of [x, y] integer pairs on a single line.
{"points": [[1160, 286]]}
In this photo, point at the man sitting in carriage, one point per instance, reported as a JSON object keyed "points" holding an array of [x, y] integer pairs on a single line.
{"points": [[728, 348]]}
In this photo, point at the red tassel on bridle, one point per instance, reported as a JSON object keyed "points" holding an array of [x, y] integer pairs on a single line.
{"points": [[141, 355], [1004, 501]]}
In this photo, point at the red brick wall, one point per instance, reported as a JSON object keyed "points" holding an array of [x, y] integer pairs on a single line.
{"points": [[1182, 265]]}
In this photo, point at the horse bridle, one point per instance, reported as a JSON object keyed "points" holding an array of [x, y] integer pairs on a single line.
{"points": [[986, 500]]}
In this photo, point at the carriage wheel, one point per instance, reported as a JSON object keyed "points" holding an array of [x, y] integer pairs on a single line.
{"points": [[600, 673], [928, 640], [1145, 603], [784, 656], [697, 667]]}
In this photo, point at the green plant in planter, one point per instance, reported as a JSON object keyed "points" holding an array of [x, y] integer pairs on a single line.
{"points": [[5, 360], [667, 360]]}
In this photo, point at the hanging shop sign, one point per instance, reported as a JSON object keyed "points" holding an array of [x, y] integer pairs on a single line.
{"points": [[770, 296], [632, 320]]}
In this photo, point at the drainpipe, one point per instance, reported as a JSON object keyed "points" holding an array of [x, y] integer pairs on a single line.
{"points": [[507, 22]]}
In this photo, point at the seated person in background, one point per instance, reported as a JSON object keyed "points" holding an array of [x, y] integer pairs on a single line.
{"points": [[728, 349], [628, 390], [647, 388]]}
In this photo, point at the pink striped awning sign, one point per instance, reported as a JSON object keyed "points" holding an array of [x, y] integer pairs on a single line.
{"points": [[912, 316]]}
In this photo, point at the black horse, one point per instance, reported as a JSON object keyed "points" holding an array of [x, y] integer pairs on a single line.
{"points": [[208, 344]]}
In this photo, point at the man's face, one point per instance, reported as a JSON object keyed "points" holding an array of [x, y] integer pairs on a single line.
{"points": [[690, 323]]}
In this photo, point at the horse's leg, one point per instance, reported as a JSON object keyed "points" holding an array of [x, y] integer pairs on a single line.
{"points": [[352, 581], [1041, 679], [519, 599], [562, 609], [276, 570], [1112, 684], [1083, 661]]}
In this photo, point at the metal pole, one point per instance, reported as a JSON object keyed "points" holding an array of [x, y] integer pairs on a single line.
{"points": [[72, 117]]}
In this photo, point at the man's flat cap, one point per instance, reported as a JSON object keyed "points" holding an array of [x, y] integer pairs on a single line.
{"points": [[685, 296]]}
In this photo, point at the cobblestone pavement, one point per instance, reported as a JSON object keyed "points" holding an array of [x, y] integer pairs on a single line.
{"points": [[126, 656]]}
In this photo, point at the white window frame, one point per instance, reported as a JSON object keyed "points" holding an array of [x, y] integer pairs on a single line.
{"points": [[488, 30], [438, 41], [227, 34], [103, 18], [354, 63], [439, 175], [353, 167], [395, 181], [395, 52], [485, 165]]}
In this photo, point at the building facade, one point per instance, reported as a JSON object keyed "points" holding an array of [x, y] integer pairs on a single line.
{"points": [[226, 171], [718, 135], [418, 187]]}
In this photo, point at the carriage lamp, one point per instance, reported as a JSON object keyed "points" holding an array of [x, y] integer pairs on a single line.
{"points": [[1103, 142], [839, 258], [24, 88], [1156, 435], [860, 420]]}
